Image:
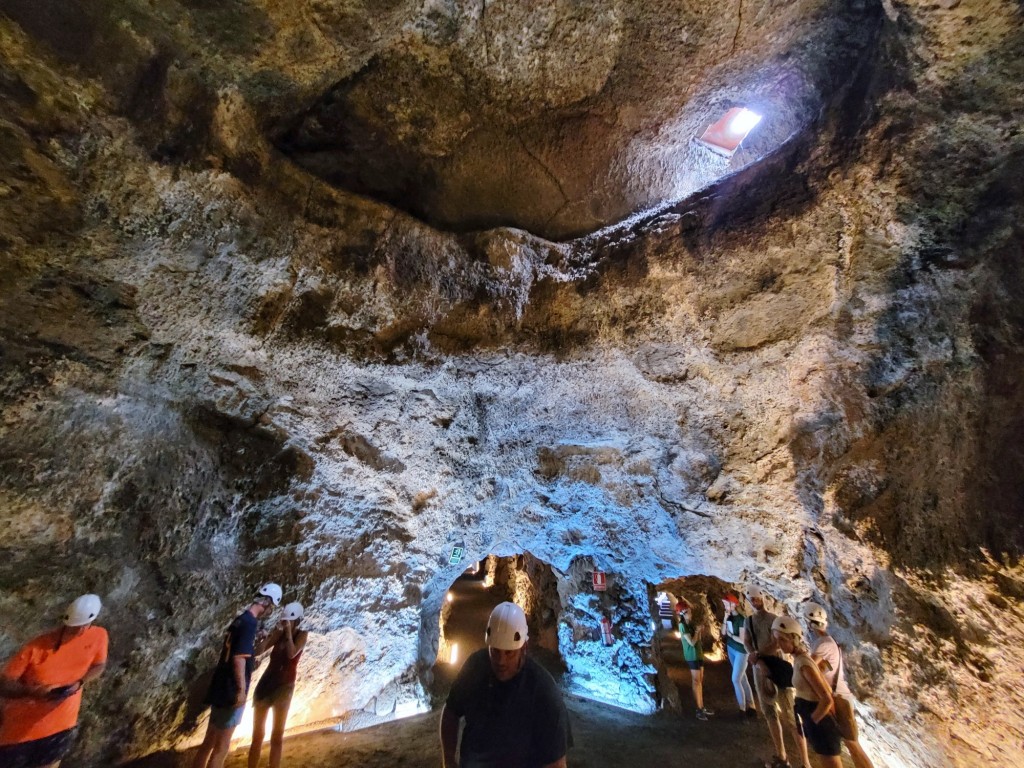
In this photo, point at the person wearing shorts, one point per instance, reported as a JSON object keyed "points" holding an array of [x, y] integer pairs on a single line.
{"points": [[230, 683], [275, 688], [764, 657], [829, 657], [690, 633], [41, 688], [813, 705]]}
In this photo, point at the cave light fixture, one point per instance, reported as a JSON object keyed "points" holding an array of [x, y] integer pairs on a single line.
{"points": [[725, 136]]}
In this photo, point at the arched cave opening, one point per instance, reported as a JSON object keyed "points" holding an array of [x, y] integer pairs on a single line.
{"points": [[523, 579], [704, 594], [595, 641]]}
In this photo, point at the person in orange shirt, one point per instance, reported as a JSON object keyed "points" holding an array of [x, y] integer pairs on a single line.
{"points": [[41, 688]]}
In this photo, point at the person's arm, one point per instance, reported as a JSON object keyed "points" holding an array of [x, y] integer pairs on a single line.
{"points": [[11, 685], [449, 737], [295, 641], [238, 664], [821, 689], [94, 672], [747, 638], [685, 632], [265, 643], [15, 689]]}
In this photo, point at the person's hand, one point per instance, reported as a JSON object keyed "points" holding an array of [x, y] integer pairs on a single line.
{"points": [[40, 691], [288, 629]]}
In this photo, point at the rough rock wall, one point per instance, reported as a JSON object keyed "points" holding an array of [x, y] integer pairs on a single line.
{"points": [[217, 369]]}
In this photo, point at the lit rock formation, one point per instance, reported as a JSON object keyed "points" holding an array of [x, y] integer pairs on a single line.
{"points": [[797, 368]]}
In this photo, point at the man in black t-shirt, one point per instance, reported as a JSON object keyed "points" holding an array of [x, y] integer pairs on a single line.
{"points": [[515, 716], [230, 683]]}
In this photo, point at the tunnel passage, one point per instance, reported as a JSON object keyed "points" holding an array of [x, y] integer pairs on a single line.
{"points": [[596, 643], [521, 579], [704, 594]]}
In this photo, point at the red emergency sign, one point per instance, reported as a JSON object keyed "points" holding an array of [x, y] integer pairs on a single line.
{"points": [[600, 581]]}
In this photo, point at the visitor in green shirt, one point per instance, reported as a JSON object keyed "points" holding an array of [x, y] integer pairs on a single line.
{"points": [[691, 634]]}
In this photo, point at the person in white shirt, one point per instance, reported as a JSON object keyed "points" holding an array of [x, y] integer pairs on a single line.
{"points": [[829, 657]]}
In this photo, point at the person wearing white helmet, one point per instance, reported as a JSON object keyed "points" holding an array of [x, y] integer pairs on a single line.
{"points": [[41, 688], [230, 684], [813, 706], [514, 713], [766, 660], [275, 688], [829, 657]]}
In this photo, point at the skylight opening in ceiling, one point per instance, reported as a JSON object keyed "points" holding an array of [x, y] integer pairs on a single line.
{"points": [[725, 136]]}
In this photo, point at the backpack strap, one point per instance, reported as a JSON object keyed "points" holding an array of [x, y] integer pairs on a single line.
{"points": [[839, 672], [750, 631]]}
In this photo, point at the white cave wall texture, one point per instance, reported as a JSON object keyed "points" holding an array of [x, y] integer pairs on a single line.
{"points": [[314, 291]]}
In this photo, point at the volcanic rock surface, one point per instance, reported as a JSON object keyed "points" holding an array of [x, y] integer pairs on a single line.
{"points": [[316, 291]]}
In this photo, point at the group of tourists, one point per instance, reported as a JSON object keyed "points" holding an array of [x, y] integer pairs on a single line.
{"points": [[243, 643], [792, 676], [513, 711], [41, 686]]}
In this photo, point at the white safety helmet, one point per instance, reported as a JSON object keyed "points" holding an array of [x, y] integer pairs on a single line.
{"points": [[273, 591], [816, 615], [754, 591], [787, 625], [293, 612], [506, 628], [82, 611]]}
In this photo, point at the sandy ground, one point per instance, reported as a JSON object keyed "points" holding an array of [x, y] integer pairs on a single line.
{"points": [[604, 736]]}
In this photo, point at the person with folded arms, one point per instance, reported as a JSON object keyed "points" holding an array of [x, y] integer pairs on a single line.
{"points": [[41, 688]]}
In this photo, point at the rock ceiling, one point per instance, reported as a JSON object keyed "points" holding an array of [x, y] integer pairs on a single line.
{"points": [[319, 289]]}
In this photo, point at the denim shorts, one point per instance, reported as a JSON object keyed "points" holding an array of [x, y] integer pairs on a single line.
{"points": [[226, 717]]}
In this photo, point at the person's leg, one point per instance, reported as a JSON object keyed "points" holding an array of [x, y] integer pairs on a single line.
{"points": [[740, 686], [202, 757], [748, 694], [770, 709], [786, 700], [857, 753], [259, 724], [697, 683], [734, 660], [221, 747], [280, 721]]}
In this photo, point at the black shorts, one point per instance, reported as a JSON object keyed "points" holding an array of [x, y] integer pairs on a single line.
{"points": [[31, 754], [824, 737], [698, 664]]}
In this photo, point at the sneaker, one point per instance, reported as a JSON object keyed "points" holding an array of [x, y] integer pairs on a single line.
{"points": [[708, 711], [778, 762], [702, 715], [751, 713]]}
